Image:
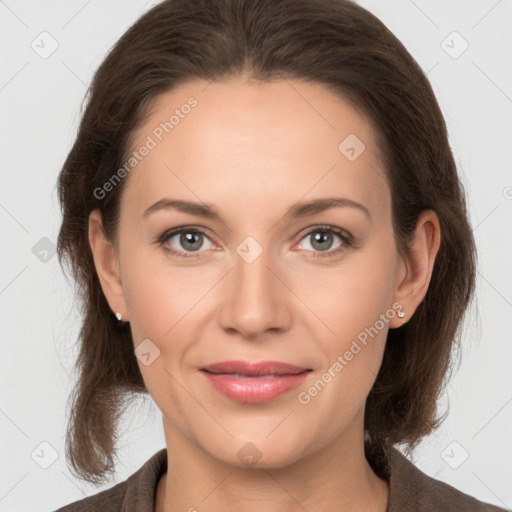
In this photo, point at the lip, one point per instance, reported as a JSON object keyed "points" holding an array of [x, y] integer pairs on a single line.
{"points": [[254, 382], [254, 369]]}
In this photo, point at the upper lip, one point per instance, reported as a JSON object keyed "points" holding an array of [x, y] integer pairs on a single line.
{"points": [[254, 369]]}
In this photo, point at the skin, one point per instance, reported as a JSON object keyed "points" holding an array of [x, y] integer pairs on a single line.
{"points": [[253, 150]]}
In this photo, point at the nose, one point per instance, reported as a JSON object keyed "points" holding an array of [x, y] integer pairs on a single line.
{"points": [[255, 298]]}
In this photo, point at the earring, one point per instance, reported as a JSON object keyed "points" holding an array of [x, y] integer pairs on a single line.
{"points": [[119, 316], [400, 313]]}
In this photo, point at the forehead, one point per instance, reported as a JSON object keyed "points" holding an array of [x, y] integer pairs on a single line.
{"points": [[257, 142]]}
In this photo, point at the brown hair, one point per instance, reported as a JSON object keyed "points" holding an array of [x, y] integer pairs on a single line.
{"points": [[337, 44]]}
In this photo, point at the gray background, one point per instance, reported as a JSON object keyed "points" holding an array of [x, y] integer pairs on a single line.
{"points": [[40, 98]]}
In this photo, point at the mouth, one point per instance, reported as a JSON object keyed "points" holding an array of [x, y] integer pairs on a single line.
{"points": [[254, 382], [264, 368]]}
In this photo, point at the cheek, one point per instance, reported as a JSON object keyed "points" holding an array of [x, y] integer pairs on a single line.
{"points": [[163, 308], [160, 295], [354, 305], [352, 353], [345, 300], [167, 304]]}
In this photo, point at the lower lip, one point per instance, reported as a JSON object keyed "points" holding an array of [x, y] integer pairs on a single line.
{"points": [[253, 390]]}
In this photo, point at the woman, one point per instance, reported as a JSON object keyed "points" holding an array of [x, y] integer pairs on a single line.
{"points": [[286, 372]]}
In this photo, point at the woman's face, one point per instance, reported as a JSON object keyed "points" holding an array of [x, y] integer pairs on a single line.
{"points": [[267, 278]]}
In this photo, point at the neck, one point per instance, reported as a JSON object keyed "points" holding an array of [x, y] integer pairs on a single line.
{"points": [[336, 477]]}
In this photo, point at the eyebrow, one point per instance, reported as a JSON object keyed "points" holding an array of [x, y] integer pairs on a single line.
{"points": [[302, 209]]}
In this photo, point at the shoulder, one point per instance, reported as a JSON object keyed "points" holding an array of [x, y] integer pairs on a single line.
{"points": [[136, 493], [411, 489], [108, 500]]}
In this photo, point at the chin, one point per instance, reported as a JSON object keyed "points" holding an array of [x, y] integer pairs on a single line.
{"points": [[260, 452]]}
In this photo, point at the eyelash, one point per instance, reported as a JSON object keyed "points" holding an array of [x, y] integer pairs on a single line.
{"points": [[347, 239]]}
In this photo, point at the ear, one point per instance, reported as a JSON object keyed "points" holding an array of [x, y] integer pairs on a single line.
{"points": [[107, 264], [419, 262]]}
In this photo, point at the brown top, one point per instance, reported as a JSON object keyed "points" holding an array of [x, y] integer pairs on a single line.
{"points": [[410, 490]]}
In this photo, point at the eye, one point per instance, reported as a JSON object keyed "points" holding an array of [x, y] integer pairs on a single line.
{"points": [[321, 240], [190, 239]]}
